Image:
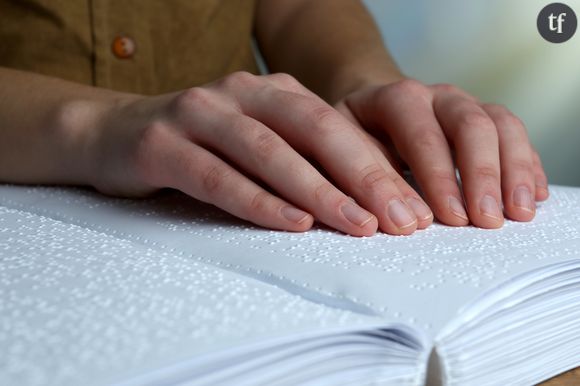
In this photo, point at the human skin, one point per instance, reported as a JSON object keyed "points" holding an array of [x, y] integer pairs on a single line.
{"points": [[327, 142], [432, 129]]}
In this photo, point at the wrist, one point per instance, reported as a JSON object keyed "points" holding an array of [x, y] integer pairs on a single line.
{"points": [[80, 125], [355, 77]]}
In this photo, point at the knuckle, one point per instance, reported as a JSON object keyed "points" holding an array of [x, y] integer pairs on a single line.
{"points": [[429, 140], [323, 192], [151, 134], [264, 143], [486, 172], [240, 79], [267, 144], [213, 179], [193, 99], [408, 90], [286, 79], [322, 114], [509, 121], [476, 119], [448, 88], [325, 120], [398, 181], [373, 177], [410, 87], [522, 165], [258, 203], [442, 176], [494, 107]]}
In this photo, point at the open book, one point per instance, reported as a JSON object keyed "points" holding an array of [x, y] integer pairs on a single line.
{"points": [[97, 290]]}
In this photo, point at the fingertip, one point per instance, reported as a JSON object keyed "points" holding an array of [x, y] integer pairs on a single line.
{"points": [[357, 220], [542, 193], [408, 229], [520, 214], [393, 230], [541, 181], [399, 219], [452, 212], [518, 211], [487, 214], [520, 206], [367, 229], [422, 212], [304, 225], [297, 220], [487, 222], [425, 223]]}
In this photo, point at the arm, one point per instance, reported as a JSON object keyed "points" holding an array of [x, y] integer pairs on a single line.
{"points": [[334, 47], [43, 127], [221, 143]]}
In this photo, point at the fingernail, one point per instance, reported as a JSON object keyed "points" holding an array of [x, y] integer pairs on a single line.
{"points": [[523, 198], [400, 214], [543, 189], [421, 210], [355, 214], [542, 185], [457, 208], [294, 215], [489, 207]]}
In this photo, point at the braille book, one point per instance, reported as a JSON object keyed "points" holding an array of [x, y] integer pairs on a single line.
{"points": [[165, 291]]}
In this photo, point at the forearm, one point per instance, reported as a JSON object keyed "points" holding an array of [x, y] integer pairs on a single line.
{"points": [[331, 46], [46, 126]]}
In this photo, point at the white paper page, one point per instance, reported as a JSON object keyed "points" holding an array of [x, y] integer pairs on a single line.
{"points": [[82, 307], [422, 279]]}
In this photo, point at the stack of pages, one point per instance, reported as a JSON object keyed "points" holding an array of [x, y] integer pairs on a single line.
{"points": [[97, 291]]}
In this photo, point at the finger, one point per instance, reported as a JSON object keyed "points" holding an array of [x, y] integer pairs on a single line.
{"points": [[287, 83], [384, 157], [475, 139], [319, 131], [517, 174], [405, 112], [200, 174], [541, 180], [263, 153], [395, 162]]}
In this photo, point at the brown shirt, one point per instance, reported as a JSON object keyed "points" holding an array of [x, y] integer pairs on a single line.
{"points": [[140, 46]]}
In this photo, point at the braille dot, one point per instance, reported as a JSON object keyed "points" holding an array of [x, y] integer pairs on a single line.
{"points": [[108, 304], [431, 262]]}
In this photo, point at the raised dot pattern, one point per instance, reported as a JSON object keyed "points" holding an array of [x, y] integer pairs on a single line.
{"points": [[77, 304], [421, 279]]}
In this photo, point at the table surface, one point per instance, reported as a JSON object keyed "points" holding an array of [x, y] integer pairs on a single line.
{"points": [[570, 378]]}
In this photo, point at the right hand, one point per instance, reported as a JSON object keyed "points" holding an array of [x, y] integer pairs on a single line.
{"points": [[243, 143]]}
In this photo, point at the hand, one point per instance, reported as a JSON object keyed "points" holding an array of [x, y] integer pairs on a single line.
{"points": [[433, 130], [243, 143]]}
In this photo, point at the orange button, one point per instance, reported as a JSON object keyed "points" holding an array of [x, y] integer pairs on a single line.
{"points": [[124, 47]]}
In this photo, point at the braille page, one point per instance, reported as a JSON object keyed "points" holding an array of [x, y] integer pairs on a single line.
{"points": [[82, 307], [423, 279]]}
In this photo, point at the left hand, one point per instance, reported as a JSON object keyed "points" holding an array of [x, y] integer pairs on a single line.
{"points": [[434, 129]]}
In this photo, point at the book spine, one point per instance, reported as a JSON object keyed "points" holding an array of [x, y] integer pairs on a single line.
{"points": [[435, 372]]}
